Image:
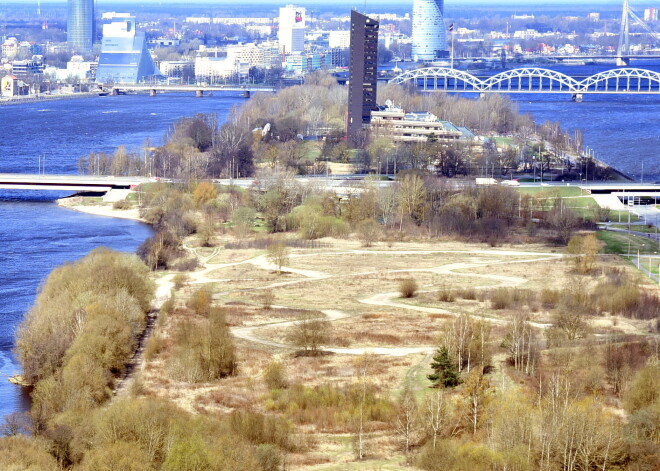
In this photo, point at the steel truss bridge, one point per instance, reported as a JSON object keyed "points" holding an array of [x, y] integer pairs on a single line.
{"points": [[533, 80]]}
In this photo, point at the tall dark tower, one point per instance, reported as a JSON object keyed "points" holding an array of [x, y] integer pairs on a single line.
{"points": [[363, 73], [80, 25]]}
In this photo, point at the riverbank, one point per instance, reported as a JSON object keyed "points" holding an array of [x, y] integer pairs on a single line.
{"points": [[36, 98], [82, 204]]}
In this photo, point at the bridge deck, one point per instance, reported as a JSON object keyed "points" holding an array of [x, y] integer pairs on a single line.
{"points": [[16, 181]]}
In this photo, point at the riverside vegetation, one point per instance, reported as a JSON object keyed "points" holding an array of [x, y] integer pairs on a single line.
{"points": [[496, 376], [416, 326]]}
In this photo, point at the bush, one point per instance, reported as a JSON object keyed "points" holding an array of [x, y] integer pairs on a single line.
{"points": [[446, 295], [204, 351], [200, 301], [180, 280], [275, 375], [408, 288], [368, 231], [467, 293], [267, 298], [121, 205]]}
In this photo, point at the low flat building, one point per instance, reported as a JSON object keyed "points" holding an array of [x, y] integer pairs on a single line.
{"points": [[404, 126]]}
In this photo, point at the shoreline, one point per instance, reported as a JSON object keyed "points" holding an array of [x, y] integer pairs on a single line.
{"points": [[45, 97], [74, 203]]}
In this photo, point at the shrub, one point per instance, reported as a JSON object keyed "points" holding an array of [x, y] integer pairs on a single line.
{"points": [[446, 295], [550, 298], [275, 375], [407, 288], [204, 192], [179, 280], [204, 351], [368, 231], [200, 301], [467, 293], [22, 453], [267, 297], [121, 204]]}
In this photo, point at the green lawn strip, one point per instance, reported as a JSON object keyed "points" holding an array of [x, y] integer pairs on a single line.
{"points": [[552, 191], [621, 243], [636, 228]]}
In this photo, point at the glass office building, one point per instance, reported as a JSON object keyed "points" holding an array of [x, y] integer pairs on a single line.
{"points": [[429, 35], [124, 55], [80, 25]]}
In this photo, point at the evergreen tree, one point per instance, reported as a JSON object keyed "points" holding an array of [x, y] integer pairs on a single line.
{"points": [[445, 372]]}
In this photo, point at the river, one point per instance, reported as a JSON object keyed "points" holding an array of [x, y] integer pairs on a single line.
{"points": [[36, 235]]}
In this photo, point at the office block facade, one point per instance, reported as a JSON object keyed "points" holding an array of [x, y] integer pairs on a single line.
{"points": [[363, 73], [80, 25]]}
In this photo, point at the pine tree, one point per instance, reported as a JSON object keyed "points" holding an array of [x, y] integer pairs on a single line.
{"points": [[445, 372]]}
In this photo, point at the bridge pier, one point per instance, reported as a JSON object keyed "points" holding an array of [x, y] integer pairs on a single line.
{"points": [[199, 93], [152, 92], [246, 94], [115, 92], [577, 97], [623, 61]]}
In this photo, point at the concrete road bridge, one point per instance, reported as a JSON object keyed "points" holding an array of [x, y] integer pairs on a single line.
{"points": [[198, 90], [101, 184], [629, 81]]}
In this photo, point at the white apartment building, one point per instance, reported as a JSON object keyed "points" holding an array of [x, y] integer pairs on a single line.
{"points": [[291, 33], [340, 39], [264, 56], [215, 69]]}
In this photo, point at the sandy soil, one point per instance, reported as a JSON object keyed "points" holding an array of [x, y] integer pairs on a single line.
{"points": [[100, 210]]}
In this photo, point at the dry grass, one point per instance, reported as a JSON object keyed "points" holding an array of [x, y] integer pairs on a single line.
{"points": [[367, 326]]}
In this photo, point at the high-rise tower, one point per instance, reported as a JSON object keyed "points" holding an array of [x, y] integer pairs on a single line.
{"points": [[363, 73], [429, 35], [80, 25], [291, 32]]}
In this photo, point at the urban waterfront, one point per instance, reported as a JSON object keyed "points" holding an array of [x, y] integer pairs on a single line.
{"points": [[37, 235]]}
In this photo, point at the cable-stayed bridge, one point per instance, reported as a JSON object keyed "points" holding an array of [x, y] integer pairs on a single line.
{"points": [[533, 80]]}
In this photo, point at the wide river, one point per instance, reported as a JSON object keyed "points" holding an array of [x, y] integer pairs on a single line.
{"points": [[36, 235]]}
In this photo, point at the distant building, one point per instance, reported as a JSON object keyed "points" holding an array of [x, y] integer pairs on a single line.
{"points": [[264, 55], [651, 14], [339, 39], [302, 62], [363, 73], [217, 69], [124, 55], [10, 48], [77, 68], [13, 86], [429, 35], [80, 25], [594, 16], [26, 68], [402, 126], [291, 32]]}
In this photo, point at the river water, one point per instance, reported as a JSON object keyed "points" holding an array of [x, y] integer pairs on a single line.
{"points": [[35, 234]]}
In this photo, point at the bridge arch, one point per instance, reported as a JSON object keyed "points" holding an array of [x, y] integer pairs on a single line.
{"points": [[531, 79], [622, 80], [442, 78]]}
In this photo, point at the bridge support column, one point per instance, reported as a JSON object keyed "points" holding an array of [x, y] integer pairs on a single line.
{"points": [[152, 92], [114, 92], [199, 93], [623, 61], [577, 97], [246, 94], [482, 95]]}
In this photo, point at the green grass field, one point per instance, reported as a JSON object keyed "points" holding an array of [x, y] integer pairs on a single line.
{"points": [[622, 243]]}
